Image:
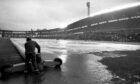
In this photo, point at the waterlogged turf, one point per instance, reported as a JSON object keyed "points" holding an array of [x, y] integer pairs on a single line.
{"points": [[84, 62]]}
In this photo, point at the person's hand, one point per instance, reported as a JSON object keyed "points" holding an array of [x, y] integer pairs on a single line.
{"points": [[39, 53]]}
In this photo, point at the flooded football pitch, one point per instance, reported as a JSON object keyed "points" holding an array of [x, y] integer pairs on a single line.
{"points": [[81, 62]]}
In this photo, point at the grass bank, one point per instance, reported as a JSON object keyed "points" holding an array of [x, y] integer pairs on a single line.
{"points": [[127, 67], [8, 53]]}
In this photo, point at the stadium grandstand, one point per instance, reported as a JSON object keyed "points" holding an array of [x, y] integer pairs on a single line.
{"points": [[116, 24]]}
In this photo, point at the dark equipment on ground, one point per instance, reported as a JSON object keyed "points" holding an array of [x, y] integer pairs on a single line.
{"points": [[20, 67]]}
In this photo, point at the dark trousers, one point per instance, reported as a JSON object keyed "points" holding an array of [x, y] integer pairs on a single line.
{"points": [[32, 57]]}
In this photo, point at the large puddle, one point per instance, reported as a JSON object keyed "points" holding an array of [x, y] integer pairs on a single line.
{"points": [[80, 61]]}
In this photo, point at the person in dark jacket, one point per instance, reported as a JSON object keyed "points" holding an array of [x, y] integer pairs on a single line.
{"points": [[30, 54]]}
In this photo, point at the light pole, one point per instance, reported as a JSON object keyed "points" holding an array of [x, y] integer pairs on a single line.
{"points": [[88, 7]]}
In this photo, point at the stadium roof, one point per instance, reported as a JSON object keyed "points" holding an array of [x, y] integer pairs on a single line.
{"points": [[116, 9], [108, 14]]}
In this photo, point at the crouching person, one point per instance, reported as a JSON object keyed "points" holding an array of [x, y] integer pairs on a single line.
{"points": [[30, 54]]}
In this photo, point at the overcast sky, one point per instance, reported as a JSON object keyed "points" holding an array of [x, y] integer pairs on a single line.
{"points": [[48, 14]]}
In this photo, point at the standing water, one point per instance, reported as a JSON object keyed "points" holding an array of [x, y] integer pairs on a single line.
{"points": [[80, 64]]}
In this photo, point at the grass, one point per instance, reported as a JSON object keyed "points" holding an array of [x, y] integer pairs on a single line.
{"points": [[126, 67]]}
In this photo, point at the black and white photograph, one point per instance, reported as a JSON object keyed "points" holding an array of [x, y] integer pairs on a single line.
{"points": [[69, 41]]}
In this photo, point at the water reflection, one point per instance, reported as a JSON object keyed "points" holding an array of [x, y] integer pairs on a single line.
{"points": [[33, 79], [64, 52], [96, 70], [80, 63], [47, 76]]}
